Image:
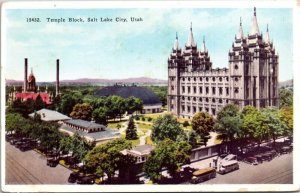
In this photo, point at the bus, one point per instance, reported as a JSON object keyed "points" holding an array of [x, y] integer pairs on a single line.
{"points": [[203, 175], [228, 166]]}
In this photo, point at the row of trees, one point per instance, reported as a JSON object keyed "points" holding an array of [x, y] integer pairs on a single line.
{"points": [[47, 135]]}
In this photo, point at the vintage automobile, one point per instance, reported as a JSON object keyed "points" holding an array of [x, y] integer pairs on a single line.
{"points": [[52, 161], [251, 160], [285, 149], [228, 166], [73, 177], [25, 147], [85, 180], [203, 175]]}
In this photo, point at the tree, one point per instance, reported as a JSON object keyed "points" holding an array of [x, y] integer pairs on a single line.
{"points": [[193, 138], [249, 117], [39, 103], [202, 124], [170, 155], [13, 122], [131, 130], [285, 98], [275, 127], [68, 101], [286, 116], [166, 126], [82, 111], [99, 115], [107, 158], [229, 125], [66, 144]]}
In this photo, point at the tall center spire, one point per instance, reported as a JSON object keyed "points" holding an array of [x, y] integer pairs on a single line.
{"points": [[203, 45], [191, 41], [254, 27], [267, 36]]}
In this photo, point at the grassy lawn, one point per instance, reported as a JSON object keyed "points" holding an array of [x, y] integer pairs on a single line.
{"points": [[113, 124], [218, 141], [134, 142], [143, 126]]}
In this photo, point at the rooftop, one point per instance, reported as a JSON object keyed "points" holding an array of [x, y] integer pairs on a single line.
{"points": [[84, 124], [50, 115]]}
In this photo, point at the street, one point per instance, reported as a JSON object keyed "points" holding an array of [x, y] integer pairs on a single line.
{"points": [[30, 168], [277, 171]]}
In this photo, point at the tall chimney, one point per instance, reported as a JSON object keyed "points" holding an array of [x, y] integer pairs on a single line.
{"points": [[57, 77], [25, 74]]}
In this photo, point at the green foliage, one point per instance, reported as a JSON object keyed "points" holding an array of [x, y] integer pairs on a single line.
{"points": [[137, 118], [82, 111], [106, 158], [169, 154], [143, 118], [229, 110], [99, 115], [39, 103], [131, 132], [285, 98], [202, 124], [68, 101], [286, 116], [193, 139], [166, 126], [149, 119], [14, 122]]}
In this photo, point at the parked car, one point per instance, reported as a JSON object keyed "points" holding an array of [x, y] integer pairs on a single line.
{"points": [[52, 162], [267, 156], [285, 149], [251, 160], [85, 180], [73, 177], [259, 158], [25, 147]]}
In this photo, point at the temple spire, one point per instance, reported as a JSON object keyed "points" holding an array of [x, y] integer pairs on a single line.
{"points": [[254, 27], [203, 45], [176, 43], [191, 41], [240, 34], [267, 36]]}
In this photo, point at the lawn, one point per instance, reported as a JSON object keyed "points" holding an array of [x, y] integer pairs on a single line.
{"points": [[113, 124], [134, 142]]}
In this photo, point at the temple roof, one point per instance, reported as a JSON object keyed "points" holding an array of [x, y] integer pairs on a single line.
{"points": [[191, 41], [30, 95], [50, 115], [254, 27]]}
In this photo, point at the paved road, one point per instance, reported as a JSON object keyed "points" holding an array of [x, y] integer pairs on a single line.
{"points": [[30, 168], [277, 171]]}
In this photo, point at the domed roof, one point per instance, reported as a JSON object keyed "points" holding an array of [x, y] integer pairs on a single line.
{"points": [[146, 95]]}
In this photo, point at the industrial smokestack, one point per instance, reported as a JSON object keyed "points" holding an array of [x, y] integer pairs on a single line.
{"points": [[25, 74], [57, 77]]}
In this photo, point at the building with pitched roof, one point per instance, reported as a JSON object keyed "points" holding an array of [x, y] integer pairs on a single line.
{"points": [[50, 115], [250, 79]]}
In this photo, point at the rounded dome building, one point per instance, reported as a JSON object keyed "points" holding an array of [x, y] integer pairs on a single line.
{"points": [[151, 102]]}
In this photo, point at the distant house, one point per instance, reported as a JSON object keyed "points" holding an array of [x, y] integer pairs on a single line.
{"points": [[140, 152], [50, 115], [91, 131]]}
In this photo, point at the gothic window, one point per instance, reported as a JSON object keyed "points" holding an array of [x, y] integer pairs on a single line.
{"points": [[195, 79], [195, 90], [200, 88], [220, 79], [214, 79], [172, 78], [236, 79], [200, 99], [201, 79], [194, 109], [206, 100], [227, 101], [220, 90], [189, 79], [206, 79], [189, 89], [200, 109], [227, 79], [172, 87], [183, 79], [188, 109], [236, 67], [213, 90], [206, 109], [182, 98], [183, 89], [227, 91], [183, 108], [236, 90], [213, 100], [194, 98], [206, 90], [220, 101], [188, 98]]}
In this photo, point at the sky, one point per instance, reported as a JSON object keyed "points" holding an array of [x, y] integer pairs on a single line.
{"points": [[116, 50]]}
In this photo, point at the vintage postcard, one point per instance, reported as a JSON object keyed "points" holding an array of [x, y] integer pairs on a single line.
{"points": [[149, 96]]}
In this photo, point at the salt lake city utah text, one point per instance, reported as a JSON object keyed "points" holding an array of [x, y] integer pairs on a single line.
{"points": [[88, 20]]}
